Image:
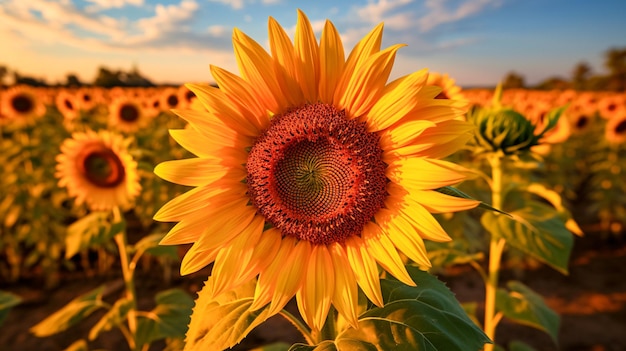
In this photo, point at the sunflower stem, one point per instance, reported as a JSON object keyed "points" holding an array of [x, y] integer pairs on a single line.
{"points": [[127, 273], [496, 247], [302, 328]]}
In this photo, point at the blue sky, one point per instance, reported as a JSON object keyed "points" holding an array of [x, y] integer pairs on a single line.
{"points": [[477, 42]]}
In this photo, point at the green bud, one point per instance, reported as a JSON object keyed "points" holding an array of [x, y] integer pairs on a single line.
{"points": [[503, 130]]}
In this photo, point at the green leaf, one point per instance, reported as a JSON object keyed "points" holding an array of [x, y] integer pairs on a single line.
{"points": [[72, 313], [522, 305], [537, 230], [517, 345], [323, 346], [92, 230], [7, 300], [169, 319], [78, 345], [150, 244], [422, 317], [278, 346], [113, 318], [452, 191], [223, 321]]}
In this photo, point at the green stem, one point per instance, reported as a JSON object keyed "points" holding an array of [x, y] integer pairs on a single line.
{"points": [[496, 247], [127, 273], [299, 325]]}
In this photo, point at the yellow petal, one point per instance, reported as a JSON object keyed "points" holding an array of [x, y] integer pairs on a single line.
{"points": [[436, 202], [403, 236], [439, 142], [267, 279], [219, 106], [257, 67], [314, 297], [213, 142], [308, 72], [366, 47], [243, 93], [346, 293], [226, 222], [199, 198], [398, 99], [235, 258], [382, 249], [197, 258], [365, 269], [408, 132], [283, 53], [421, 173], [367, 83], [289, 279], [332, 63], [193, 171], [423, 222]]}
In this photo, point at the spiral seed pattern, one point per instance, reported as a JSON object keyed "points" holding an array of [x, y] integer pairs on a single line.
{"points": [[316, 175]]}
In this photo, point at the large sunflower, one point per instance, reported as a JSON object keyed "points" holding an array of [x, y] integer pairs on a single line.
{"points": [[311, 169], [97, 169]]}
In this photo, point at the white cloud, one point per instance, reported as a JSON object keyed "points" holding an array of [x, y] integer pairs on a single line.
{"points": [[438, 13], [217, 30], [99, 5], [235, 4], [375, 12], [167, 19]]}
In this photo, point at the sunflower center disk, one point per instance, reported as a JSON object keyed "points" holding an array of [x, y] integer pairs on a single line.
{"points": [[316, 175], [103, 168], [22, 104], [129, 113]]}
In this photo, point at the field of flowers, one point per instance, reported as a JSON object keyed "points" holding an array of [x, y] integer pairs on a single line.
{"points": [[57, 225], [344, 217]]}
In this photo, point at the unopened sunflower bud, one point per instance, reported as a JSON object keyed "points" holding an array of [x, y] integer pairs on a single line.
{"points": [[502, 130]]}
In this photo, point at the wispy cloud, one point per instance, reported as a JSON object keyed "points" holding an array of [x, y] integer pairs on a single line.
{"points": [[99, 5], [235, 4], [437, 12]]}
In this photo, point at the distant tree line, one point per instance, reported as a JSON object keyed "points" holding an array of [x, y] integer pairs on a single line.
{"points": [[106, 77], [582, 77]]}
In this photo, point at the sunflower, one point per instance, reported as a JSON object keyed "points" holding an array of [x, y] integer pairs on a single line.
{"points": [[68, 104], [21, 105], [311, 169], [615, 129], [449, 88], [170, 99], [97, 169], [127, 114]]}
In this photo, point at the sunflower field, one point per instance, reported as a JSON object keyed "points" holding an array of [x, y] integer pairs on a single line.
{"points": [[332, 208]]}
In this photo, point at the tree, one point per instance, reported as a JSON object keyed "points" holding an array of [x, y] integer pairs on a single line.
{"points": [[513, 80], [3, 72], [73, 81], [615, 62], [580, 76], [20, 79]]}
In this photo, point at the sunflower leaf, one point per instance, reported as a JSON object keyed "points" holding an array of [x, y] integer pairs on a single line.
{"points": [[7, 300], [422, 317], [452, 191], [169, 319], [536, 229], [218, 323], [522, 305], [78, 345], [72, 313], [92, 230], [113, 318], [150, 244]]}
